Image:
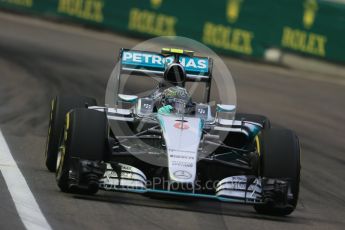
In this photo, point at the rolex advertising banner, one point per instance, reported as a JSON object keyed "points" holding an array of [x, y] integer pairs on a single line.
{"points": [[315, 28], [236, 27]]}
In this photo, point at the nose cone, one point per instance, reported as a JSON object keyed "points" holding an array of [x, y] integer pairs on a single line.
{"points": [[182, 139]]}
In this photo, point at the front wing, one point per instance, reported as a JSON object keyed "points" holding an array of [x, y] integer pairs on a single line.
{"points": [[236, 189]]}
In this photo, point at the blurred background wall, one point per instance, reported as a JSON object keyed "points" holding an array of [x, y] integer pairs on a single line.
{"points": [[243, 28]]}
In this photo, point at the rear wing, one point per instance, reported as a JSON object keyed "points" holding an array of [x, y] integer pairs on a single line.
{"points": [[145, 62]]}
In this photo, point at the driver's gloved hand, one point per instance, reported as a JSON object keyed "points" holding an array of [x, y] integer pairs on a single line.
{"points": [[165, 109]]}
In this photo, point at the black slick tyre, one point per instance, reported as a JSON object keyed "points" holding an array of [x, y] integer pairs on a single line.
{"points": [[85, 137], [60, 105], [280, 158]]}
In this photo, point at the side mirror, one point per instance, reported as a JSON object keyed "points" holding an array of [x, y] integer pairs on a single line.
{"points": [[203, 111], [145, 106], [132, 99], [226, 108], [225, 114]]}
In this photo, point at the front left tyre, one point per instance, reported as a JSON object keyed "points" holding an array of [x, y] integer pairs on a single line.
{"points": [[280, 159]]}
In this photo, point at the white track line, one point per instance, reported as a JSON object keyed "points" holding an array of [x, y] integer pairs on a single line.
{"points": [[25, 202]]}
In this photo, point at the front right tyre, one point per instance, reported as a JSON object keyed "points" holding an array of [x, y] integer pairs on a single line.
{"points": [[60, 105], [84, 138]]}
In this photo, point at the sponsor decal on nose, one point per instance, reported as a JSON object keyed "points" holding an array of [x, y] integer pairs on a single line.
{"points": [[179, 124], [181, 174]]}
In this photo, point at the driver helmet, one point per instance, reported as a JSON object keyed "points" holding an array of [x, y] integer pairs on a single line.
{"points": [[177, 97]]}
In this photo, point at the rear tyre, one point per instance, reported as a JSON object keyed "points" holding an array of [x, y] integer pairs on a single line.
{"points": [[85, 137], [60, 105], [260, 119], [280, 158]]}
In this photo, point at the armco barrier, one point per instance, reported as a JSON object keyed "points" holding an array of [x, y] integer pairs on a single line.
{"points": [[236, 27]]}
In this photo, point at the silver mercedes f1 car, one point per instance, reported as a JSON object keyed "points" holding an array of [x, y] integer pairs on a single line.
{"points": [[167, 143]]}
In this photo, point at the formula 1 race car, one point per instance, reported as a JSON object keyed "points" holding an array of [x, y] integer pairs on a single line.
{"points": [[166, 143]]}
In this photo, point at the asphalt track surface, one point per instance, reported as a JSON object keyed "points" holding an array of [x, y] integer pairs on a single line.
{"points": [[39, 60]]}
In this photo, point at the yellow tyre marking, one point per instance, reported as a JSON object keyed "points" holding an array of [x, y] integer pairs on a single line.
{"points": [[50, 124], [257, 144], [63, 148], [66, 126], [67, 120]]}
